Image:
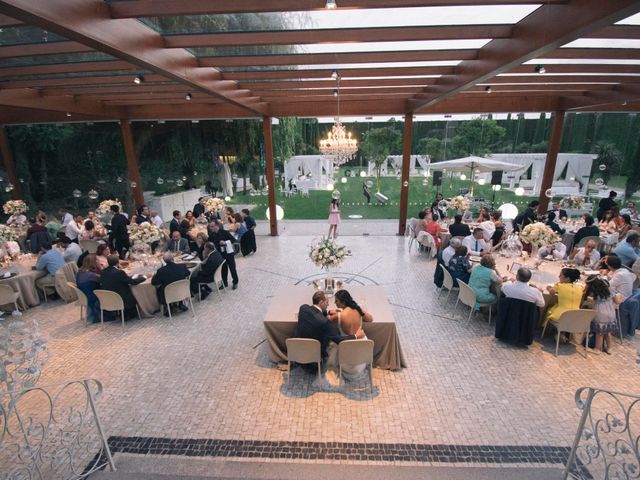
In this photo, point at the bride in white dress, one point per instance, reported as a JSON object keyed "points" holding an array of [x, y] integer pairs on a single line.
{"points": [[349, 317]]}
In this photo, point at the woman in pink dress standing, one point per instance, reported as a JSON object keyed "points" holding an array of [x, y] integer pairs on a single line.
{"points": [[334, 217]]}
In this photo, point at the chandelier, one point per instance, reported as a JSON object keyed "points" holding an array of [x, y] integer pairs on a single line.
{"points": [[339, 143]]}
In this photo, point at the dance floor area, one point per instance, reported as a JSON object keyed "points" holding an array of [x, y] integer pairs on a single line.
{"points": [[210, 378]]}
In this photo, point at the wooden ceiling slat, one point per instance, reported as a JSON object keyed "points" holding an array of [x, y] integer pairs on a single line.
{"points": [[124, 89], [329, 93], [332, 101], [562, 79], [337, 35], [580, 68], [29, 98], [345, 73], [624, 32], [6, 21], [531, 88], [50, 48], [48, 69], [67, 81], [595, 53], [156, 8], [337, 58], [331, 84]]}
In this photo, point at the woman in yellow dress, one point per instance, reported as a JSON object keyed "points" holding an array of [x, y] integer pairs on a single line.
{"points": [[569, 294]]}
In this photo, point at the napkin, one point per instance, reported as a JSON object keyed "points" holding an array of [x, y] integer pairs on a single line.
{"points": [[6, 275]]}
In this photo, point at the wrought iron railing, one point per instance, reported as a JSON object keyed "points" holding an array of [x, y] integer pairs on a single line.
{"points": [[606, 445], [53, 432]]}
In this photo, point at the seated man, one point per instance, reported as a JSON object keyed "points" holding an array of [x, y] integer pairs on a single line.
{"points": [[177, 243], [559, 250], [459, 229], [475, 243], [628, 250], [71, 251], [50, 261], [588, 255], [313, 323], [450, 251], [116, 280], [620, 279], [169, 273], [521, 289], [211, 261]]}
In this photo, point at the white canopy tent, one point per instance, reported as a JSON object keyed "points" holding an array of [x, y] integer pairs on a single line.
{"points": [[395, 162], [314, 171]]}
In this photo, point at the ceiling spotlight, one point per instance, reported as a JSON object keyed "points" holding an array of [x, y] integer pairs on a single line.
{"points": [[138, 79], [335, 93], [331, 4], [624, 104], [160, 121], [334, 74], [541, 70], [188, 96], [487, 89], [195, 121], [68, 114]]}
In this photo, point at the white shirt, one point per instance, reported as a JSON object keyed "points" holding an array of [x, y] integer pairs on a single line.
{"points": [[18, 219], [447, 254], [72, 252], [622, 282], [488, 228], [471, 243], [558, 251], [157, 221], [73, 230], [65, 221], [594, 258], [523, 291]]}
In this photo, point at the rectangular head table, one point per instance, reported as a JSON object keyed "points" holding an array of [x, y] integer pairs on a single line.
{"points": [[282, 317]]}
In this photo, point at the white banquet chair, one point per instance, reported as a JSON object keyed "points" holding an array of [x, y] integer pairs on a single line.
{"points": [[177, 292], [8, 296], [111, 302], [467, 297], [302, 350], [82, 300], [572, 321], [447, 282], [217, 282], [356, 352]]}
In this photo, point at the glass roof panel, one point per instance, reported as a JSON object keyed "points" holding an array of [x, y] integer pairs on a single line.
{"points": [[603, 43], [25, 34], [447, 63], [632, 20], [101, 73], [582, 61], [380, 17], [54, 59]]}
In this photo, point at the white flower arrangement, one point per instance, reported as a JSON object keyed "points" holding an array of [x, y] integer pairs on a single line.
{"points": [[572, 201], [199, 228], [459, 203], [145, 233], [213, 204], [326, 253], [13, 207], [8, 234], [538, 234], [105, 207]]}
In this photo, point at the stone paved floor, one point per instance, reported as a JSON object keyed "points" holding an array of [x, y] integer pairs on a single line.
{"points": [[211, 377]]}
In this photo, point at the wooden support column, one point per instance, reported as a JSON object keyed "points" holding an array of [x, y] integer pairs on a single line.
{"points": [[404, 178], [550, 164], [271, 182], [132, 162], [9, 164]]}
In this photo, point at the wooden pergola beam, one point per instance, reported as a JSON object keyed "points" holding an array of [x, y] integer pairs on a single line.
{"points": [[343, 92], [593, 53], [90, 24], [553, 69], [118, 89], [29, 98], [345, 73], [337, 35], [160, 8], [561, 24], [331, 84], [560, 80], [625, 32], [337, 58], [6, 21], [49, 48], [56, 68], [65, 82], [537, 88]]}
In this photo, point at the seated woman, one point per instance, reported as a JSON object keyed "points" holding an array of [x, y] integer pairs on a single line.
{"points": [[102, 252], [241, 229], [551, 223], [200, 240], [569, 294], [609, 223], [190, 218], [483, 277], [484, 215], [604, 324], [349, 317], [460, 266], [587, 255], [90, 232], [433, 227], [88, 280]]}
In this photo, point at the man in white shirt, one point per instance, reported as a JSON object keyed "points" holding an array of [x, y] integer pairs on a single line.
{"points": [[488, 229], [475, 243], [450, 251], [156, 220], [66, 218], [521, 290], [620, 279], [74, 228], [70, 251], [559, 251]]}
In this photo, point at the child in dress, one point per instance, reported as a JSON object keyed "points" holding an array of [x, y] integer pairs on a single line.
{"points": [[605, 322]]}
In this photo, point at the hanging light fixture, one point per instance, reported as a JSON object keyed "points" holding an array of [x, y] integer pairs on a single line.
{"points": [[188, 96], [339, 143], [541, 70], [334, 74], [138, 79], [487, 89]]}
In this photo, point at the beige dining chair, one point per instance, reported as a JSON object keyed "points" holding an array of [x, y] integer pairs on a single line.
{"points": [[111, 302], [177, 292], [302, 350], [572, 321], [427, 241], [90, 246], [217, 282], [44, 283], [619, 322], [447, 282], [82, 300], [467, 297], [8, 295], [356, 352]]}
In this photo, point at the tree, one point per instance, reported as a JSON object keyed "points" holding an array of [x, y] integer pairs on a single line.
{"points": [[378, 143], [477, 137], [432, 147], [609, 156]]}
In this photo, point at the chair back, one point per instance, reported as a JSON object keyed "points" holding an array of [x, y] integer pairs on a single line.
{"points": [[90, 246], [582, 242], [303, 350], [66, 274], [355, 352], [7, 294], [109, 301], [576, 321], [467, 296], [177, 291], [82, 298], [447, 281], [36, 240], [217, 275]]}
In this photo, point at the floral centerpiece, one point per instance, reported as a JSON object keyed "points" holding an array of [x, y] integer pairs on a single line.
{"points": [[326, 253], [13, 207], [105, 207], [572, 201], [459, 203], [145, 233], [8, 234], [213, 204], [539, 235], [198, 228]]}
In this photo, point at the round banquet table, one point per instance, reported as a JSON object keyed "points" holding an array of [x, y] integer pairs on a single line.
{"points": [[25, 280]]}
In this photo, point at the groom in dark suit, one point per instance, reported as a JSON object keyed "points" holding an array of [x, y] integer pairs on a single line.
{"points": [[313, 323]]}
